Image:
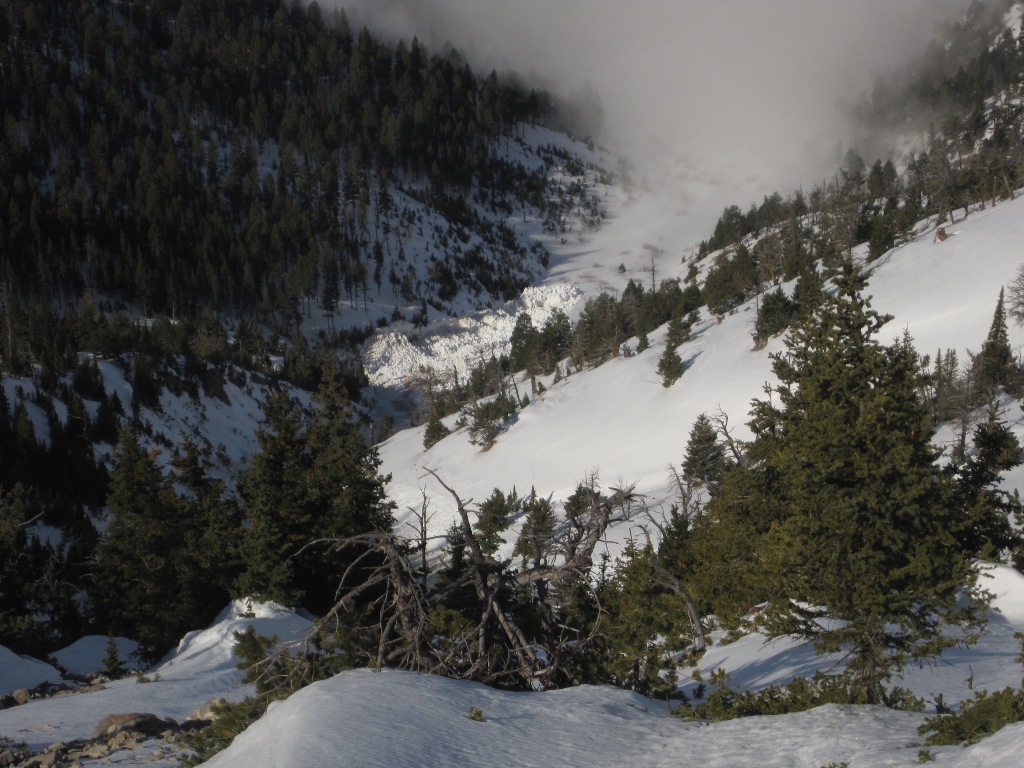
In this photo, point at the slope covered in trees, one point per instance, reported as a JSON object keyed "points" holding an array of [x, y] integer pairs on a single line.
{"points": [[245, 159]]}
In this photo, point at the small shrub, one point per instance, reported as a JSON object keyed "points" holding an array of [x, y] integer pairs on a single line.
{"points": [[978, 718], [477, 714], [113, 667], [799, 695]]}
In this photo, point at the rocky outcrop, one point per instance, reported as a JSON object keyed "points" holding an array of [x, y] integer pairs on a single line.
{"points": [[131, 731]]}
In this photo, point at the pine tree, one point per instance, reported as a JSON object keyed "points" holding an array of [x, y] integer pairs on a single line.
{"points": [[774, 314], [493, 518], [346, 490], [670, 366], [990, 527], [705, 455], [210, 527], [19, 628], [275, 500], [995, 365], [314, 480], [137, 582], [113, 666], [809, 291], [538, 527], [644, 626], [435, 431], [852, 522]]}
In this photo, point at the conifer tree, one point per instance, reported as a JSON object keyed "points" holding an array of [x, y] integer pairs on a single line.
{"points": [[538, 527], [313, 481], [19, 629], [808, 291], [644, 625], [137, 582], [995, 365], [435, 431], [208, 519], [846, 514], [774, 314], [990, 527], [670, 366], [705, 455], [493, 518], [113, 666], [275, 501]]}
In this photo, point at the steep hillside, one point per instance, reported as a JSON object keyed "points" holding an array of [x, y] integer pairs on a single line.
{"points": [[619, 422]]}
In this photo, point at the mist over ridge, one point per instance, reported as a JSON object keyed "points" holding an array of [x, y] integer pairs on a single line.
{"points": [[729, 100]]}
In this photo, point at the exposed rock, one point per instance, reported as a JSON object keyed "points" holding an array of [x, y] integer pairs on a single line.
{"points": [[21, 696], [43, 760], [95, 751], [205, 712], [140, 722]]}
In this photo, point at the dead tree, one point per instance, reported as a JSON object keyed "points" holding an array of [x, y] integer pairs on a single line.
{"points": [[721, 422], [489, 642]]}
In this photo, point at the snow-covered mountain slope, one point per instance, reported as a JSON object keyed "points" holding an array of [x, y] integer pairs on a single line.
{"points": [[220, 410], [619, 422]]}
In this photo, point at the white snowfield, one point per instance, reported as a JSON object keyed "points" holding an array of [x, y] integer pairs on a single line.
{"points": [[617, 421], [404, 720]]}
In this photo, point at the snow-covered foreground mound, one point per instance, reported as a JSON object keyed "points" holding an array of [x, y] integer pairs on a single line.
{"points": [[395, 719], [202, 667], [364, 718], [399, 719]]}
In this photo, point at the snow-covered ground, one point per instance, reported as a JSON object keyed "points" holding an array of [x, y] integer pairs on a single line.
{"points": [[201, 668], [396, 719], [400, 720]]}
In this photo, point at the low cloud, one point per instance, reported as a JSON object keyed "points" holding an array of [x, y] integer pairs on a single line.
{"points": [[741, 96]]}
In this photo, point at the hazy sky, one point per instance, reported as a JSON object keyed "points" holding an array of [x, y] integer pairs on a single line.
{"points": [[741, 96]]}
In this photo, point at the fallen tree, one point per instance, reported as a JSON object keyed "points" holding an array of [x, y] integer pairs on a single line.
{"points": [[519, 624]]}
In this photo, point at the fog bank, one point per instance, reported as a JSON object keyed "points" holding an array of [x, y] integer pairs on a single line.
{"points": [[734, 98]]}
